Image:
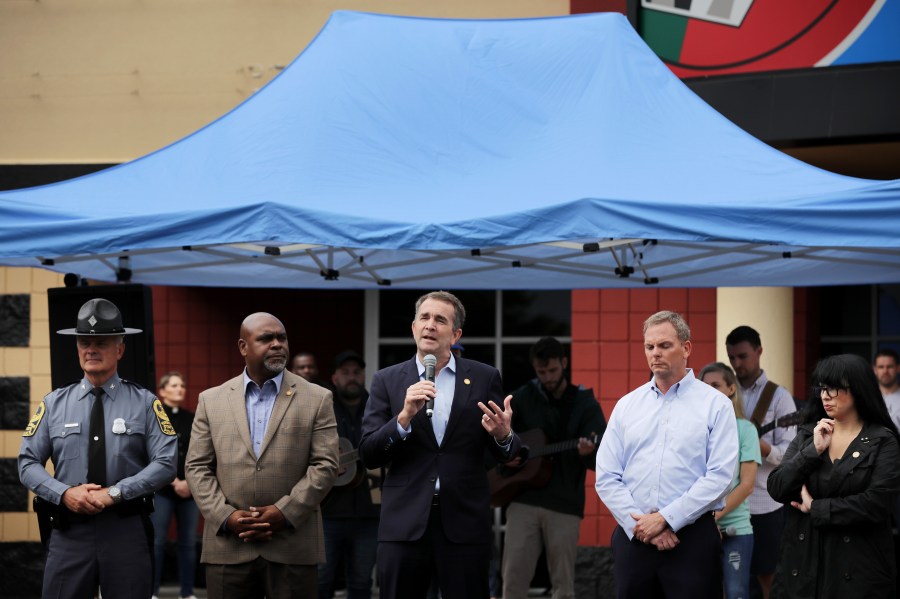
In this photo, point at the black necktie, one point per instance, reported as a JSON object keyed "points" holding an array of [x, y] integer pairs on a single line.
{"points": [[97, 441]]}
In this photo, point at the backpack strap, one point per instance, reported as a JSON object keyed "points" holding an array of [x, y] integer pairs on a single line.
{"points": [[765, 400]]}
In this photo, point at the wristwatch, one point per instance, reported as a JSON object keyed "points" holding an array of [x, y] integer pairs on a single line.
{"points": [[115, 493], [505, 440]]}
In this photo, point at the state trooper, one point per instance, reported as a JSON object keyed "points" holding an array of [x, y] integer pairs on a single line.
{"points": [[108, 461]]}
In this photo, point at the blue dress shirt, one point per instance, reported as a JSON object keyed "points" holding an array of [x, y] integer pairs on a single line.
{"points": [[260, 402], [672, 453]]}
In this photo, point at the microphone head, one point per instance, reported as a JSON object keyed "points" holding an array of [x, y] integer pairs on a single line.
{"points": [[429, 360]]}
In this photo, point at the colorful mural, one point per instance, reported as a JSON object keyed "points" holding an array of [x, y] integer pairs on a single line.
{"points": [[697, 38]]}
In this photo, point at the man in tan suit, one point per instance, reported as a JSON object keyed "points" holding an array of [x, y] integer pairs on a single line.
{"points": [[263, 454]]}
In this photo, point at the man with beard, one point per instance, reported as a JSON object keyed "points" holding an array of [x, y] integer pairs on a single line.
{"points": [[350, 515], [885, 368], [549, 516], [263, 455]]}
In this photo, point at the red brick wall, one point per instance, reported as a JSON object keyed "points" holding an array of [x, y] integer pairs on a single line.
{"points": [[582, 6], [608, 355], [196, 328]]}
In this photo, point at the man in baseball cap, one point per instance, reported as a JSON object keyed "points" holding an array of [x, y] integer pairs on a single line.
{"points": [[112, 446], [349, 514]]}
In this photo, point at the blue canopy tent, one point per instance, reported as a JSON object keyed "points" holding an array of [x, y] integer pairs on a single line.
{"points": [[537, 153]]}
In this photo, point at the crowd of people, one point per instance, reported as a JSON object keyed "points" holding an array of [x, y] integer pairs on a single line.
{"points": [[718, 484]]}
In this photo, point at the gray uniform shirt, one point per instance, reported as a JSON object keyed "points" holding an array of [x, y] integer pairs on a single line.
{"points": [[141, 446]]}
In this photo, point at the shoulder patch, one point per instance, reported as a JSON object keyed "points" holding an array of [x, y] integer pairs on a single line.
{"points": [[35, 421], [163, 419]]}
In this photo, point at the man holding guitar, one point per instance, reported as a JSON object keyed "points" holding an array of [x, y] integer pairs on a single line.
{"points": [[349, 516], [549, 515], [764, 401]]}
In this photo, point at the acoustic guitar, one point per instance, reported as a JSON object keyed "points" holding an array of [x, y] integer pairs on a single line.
{"points": [[349, 459], [792, 419], [506, 483]]}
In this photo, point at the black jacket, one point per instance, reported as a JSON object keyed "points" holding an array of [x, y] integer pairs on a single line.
{"points": [[351, 501], [576, 414], [843, 547]]}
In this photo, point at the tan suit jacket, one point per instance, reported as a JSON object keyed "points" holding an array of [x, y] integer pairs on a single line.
{"points": [[296, 468]]}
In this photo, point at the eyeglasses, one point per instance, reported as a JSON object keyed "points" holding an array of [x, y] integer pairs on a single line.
{"points": [[832, 392]]}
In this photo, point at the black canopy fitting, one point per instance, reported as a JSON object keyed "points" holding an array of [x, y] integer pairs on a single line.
{"points": [[330, 274], [273, 250], [590, 247]]}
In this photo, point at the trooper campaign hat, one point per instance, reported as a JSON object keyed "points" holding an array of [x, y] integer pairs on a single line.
{"points": [[99, 317]]}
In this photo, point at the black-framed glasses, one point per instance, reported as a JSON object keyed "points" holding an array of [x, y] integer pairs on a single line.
{"points": [[831, 392]]}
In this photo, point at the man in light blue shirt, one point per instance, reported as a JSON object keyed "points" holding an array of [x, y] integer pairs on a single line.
{"points": [[664, 465]]}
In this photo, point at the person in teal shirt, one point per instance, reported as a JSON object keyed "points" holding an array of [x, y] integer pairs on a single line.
{"points": [[734, 519]]}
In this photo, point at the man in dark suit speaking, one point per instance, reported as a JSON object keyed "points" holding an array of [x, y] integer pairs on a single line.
{"points": [[435, 512]]}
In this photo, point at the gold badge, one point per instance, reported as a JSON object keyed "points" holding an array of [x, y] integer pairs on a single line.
{"points": [[163, 419], [467, 381], [35, 421]]}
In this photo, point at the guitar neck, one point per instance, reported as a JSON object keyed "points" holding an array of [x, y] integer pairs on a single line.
{"points": [[348, 458], [553, 448], [767, 427]]}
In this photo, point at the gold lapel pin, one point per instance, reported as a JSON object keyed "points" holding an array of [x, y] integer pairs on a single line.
{"points": [[467, 381], [289, 392]]}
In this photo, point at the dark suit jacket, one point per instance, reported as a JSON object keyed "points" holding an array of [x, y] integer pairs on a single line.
{"points": [[414, 463]]}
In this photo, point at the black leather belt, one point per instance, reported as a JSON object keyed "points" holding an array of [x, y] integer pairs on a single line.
{"points": [[57, 516]]}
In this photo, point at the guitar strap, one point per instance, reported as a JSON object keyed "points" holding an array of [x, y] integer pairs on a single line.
{"points": [[762, 406]]}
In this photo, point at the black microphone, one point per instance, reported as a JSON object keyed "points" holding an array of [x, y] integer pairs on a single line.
{"points": [[430, 362]]}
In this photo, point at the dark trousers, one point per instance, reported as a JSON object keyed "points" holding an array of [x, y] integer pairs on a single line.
{"points": [[356, 540], [692, 570], [260, 578], [106, 550], [405, 569]]}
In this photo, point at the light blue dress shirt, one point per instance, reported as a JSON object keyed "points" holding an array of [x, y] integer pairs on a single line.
{"points": [[672, 453], [260, 402], [445, 383]]}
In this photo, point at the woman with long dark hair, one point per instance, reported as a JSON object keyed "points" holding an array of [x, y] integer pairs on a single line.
{"points": [[841, 475]]}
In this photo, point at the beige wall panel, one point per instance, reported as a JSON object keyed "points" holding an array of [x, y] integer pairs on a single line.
{"points": [[769, 310], [39, 387], [85, 81]]}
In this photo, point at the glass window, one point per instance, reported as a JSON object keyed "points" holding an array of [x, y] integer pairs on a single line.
{"points": [[889, 310], [846, 310], [859, 319], [398, 308], [525, 312], [525, 316]]}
